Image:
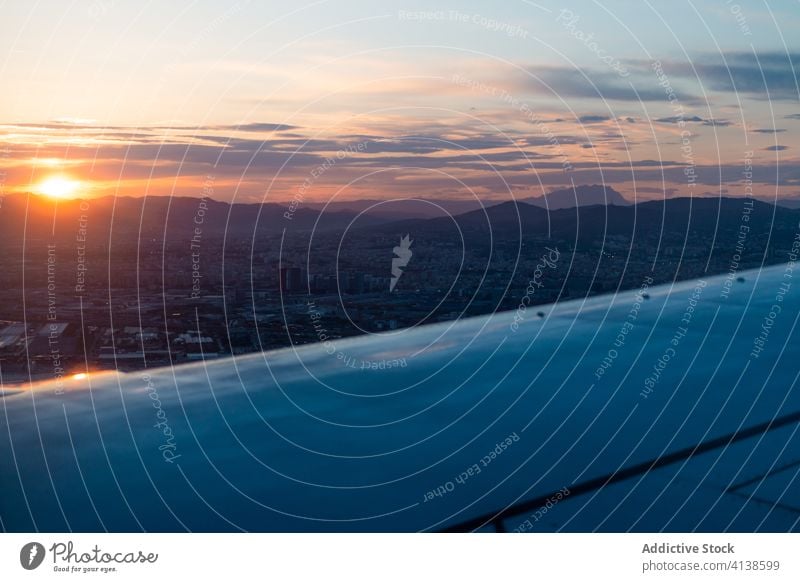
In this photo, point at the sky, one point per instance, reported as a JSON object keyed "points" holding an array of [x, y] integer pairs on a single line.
{"points": [[311, 101]]}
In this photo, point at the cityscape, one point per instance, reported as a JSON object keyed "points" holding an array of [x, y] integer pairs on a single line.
{"points": [[174, 299]]}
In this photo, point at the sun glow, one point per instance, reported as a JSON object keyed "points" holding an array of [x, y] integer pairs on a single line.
{"points": [[58, 187]]}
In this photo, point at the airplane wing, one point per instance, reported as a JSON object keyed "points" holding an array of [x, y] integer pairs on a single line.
{"points": [[668, 408]]}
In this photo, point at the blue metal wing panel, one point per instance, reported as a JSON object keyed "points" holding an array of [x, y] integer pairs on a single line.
{"points": [[645, 411]]}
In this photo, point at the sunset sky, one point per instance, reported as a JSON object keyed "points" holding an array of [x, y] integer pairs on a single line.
{"points": [[439, 100]]}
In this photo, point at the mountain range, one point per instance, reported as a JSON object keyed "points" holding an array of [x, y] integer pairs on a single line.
{"points": [[563, 212]]}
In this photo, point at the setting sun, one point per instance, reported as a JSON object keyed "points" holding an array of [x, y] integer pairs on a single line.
{"points": [[58, 187]]}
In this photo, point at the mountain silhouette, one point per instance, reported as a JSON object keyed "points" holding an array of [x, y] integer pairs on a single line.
{"points": [[579, 196]]}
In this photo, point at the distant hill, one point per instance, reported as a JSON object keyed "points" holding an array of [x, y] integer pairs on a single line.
{"points": [[402, 209], [792, 202], [124, 219], [587, 195], [579, 196], [158, 217], [173, 218], [676, 217]]}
